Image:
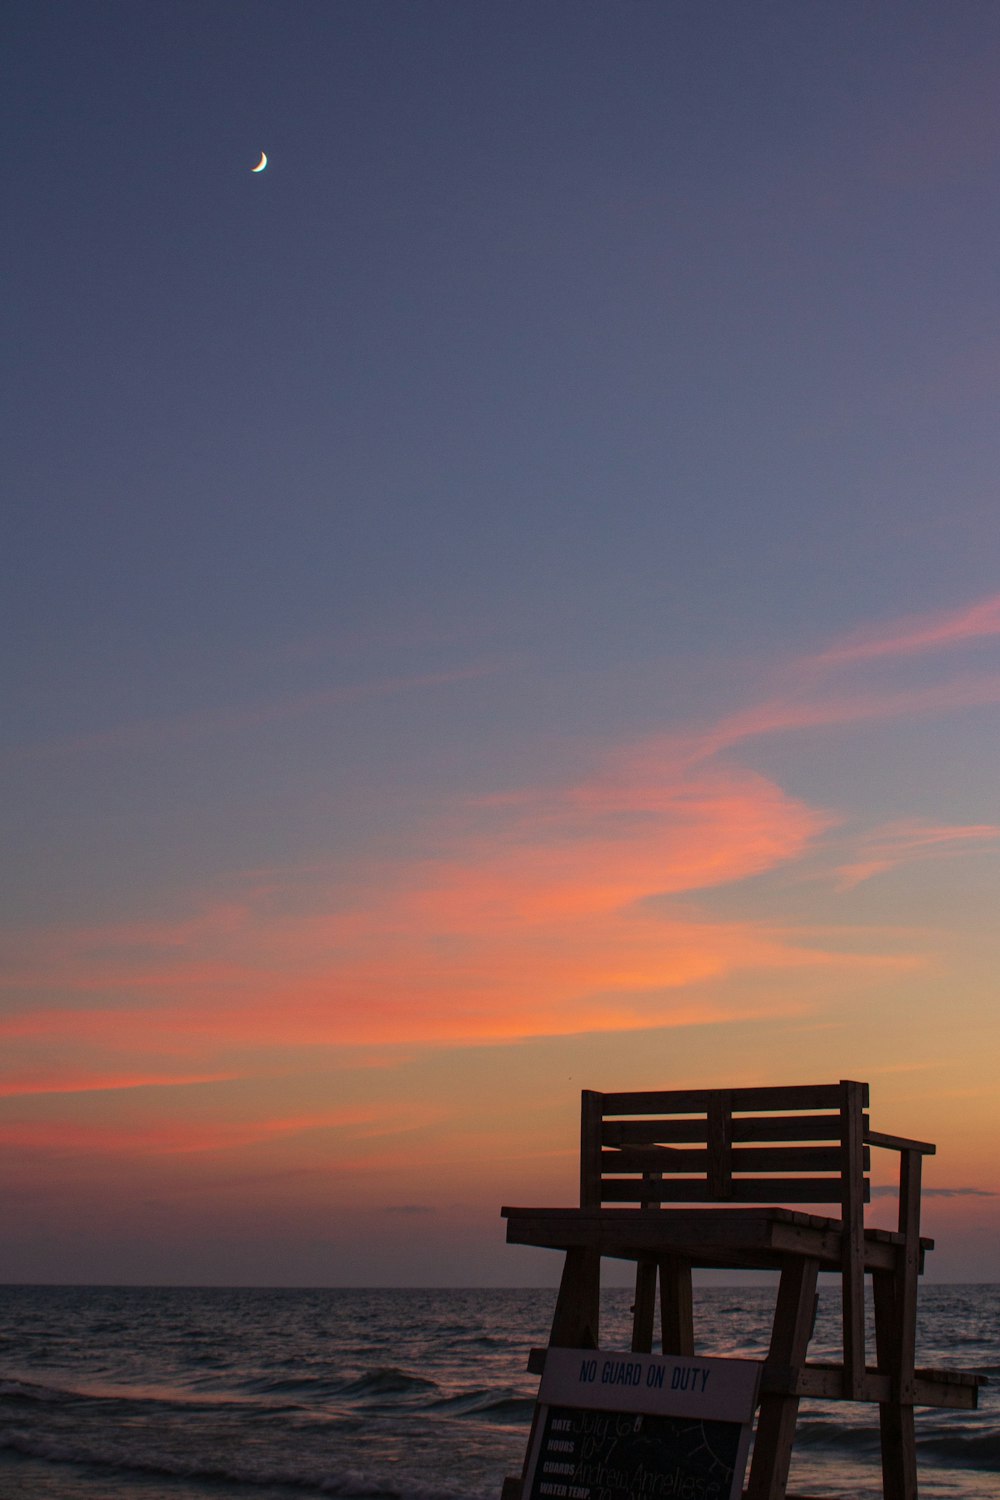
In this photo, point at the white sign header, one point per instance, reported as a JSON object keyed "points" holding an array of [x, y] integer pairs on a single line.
{"points": [[712, 1389]]}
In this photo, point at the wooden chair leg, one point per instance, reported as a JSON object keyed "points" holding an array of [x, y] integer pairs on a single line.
{"points": [[644, 1306], [676, 1306], [853, 1238], [793, 1324], [896, 1338], [575, 1325], [899, 1447], [576, 1322]]}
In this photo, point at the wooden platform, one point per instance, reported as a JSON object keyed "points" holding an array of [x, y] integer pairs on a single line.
{"points": [[729, 1238]]}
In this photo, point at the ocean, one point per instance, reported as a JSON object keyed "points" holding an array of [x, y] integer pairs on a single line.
{"points": [[135, 1393]]}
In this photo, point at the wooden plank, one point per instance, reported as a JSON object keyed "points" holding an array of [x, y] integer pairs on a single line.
{"points": [[791, 1096], [720, 1166], [878, 1253], [735, 1218], [724, 1237], [644, 1306], [676, 1306], [899, 1451], [684, 1131], [854, 1198], [811, 1127], [653, 1159], [822, 1381], [769, 1190], [706, 1236], [798, 1159], [793, 1323], [954, 1389], [899, 1142], [909, 1268], [895, 1332], [940, 1388], [823, 1096], [576, 1321], [657, 1102], [590, 1148], [693, 1130]]}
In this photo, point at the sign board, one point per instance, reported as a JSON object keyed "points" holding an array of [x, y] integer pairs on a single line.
{"points": [[641, 1427]]}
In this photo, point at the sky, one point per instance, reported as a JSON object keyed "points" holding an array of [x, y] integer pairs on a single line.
{"points": [[503, 601]]}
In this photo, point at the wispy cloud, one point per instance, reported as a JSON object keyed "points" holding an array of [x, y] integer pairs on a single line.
{"points": [[20, 1087], [959, 1192], [891, 1190], [918, 634], [236, 719], [830, 688], [178, 1135], [806, 708], [911, 840]]}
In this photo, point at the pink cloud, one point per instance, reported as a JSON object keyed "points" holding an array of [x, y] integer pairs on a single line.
{"points": [[175, 1136], [802, 712], [909, 840], [918, 633]]}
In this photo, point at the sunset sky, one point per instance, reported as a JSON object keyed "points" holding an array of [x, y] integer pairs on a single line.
{"points": [[505, 600]]}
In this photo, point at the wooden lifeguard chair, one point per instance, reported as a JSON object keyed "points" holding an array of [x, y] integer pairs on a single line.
{"points": [[678, 1179]]}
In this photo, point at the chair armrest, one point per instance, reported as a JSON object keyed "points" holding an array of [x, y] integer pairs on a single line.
{"points": [[899, 1143]]}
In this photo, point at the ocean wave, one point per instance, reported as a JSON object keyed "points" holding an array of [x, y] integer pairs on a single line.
{"points": [[29, 1390], [814, 1432], [307, 1387], [497, 1406], [387, 1380], [123, 1399], [351, 1484], [973, 1450], [964, 1445]]}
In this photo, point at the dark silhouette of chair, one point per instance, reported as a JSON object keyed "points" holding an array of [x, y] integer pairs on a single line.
{"points": [[701, 1168]]}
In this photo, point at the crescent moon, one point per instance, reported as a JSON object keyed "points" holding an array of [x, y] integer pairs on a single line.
{"points": [[261, 164]]}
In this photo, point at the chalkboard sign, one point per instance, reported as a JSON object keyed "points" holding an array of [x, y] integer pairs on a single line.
{"points": [[641, 1427]]}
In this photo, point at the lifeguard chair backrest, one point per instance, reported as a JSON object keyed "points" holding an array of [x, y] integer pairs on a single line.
{"points": [[800, 1144]]}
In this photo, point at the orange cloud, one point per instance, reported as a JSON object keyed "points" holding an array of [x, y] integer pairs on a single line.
{"points": [[547, 912], [559, 916], [21, 1086]]}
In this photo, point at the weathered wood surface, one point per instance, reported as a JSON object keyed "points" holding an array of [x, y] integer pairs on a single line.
{"points": [[957, 1389], [738, 1190], [794, 1315], [730, 1237], [798, 1096]]}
